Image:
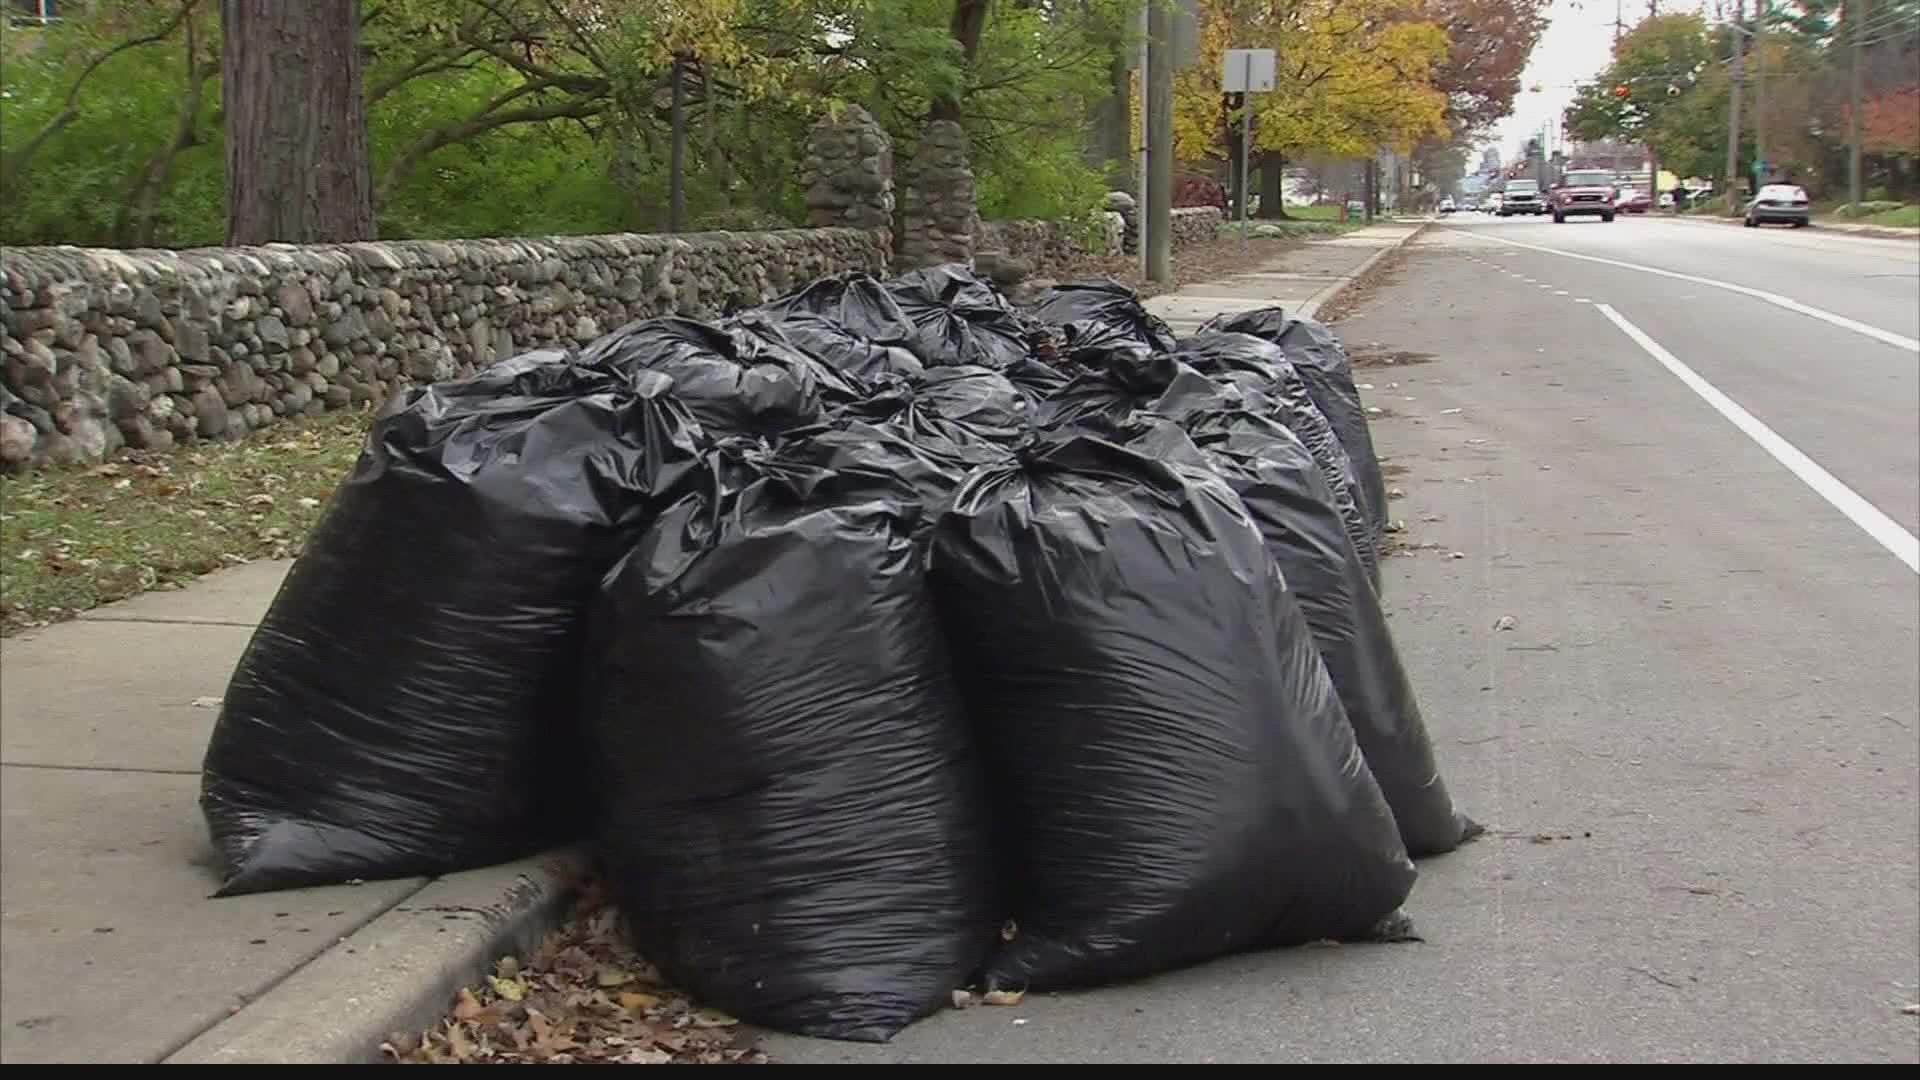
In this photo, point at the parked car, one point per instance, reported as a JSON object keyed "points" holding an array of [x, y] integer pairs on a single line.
{"points": [[1779, 203], [1636, 202], [1522, 197], [1584, 191], [1446, 205]]}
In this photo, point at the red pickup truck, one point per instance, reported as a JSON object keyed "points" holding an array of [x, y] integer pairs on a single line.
{"points": [[1584, 191]]}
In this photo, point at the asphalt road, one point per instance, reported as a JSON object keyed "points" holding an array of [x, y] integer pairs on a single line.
{"points": [[1697, 744]]}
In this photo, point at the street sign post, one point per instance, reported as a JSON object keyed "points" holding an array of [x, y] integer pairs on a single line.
{"points": [[1246, 72]]}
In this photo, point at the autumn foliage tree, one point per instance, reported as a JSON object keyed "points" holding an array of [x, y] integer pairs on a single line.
{"points": [[1352, 77]]}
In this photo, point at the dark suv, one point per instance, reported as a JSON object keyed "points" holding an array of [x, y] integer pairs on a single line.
{"points": [[1521, 197], [1584, 191]]}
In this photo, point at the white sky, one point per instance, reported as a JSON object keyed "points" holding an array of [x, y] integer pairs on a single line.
{"points": [[1577, 45]]}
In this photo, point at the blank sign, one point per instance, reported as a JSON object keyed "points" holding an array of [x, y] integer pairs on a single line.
{"points": [[1245, 71]]}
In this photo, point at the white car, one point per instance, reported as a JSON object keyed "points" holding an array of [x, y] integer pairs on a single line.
{"points": [[1446, 205], [1779, 202]]}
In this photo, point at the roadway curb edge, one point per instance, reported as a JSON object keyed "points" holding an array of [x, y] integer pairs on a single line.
{"points": [[400, 972], [1338, 289]]}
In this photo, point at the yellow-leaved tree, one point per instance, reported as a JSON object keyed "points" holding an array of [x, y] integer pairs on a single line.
{"points": [[1351, 77]]}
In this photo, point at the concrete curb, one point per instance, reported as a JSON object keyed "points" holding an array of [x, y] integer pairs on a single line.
{"points": [[1339, 288], [398, 973], [1834, 228]]}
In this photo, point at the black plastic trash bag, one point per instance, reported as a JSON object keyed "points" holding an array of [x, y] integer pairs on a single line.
{"points": [[1100, 314], [1261, 366], [1316, 353], [848, 321], [1172, 769], [853, 301], [888, 459], [794, 813], [734, 382], [959, 319], [843, 350], [951, 405], [406, 707], [1287, 495]]}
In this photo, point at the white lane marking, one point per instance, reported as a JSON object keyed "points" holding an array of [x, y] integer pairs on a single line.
{"points": [[1559, 292], [1858, 327], [1904, 545], [1581, 300]]}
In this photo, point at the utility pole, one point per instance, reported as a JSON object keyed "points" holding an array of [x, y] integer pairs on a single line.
{"points": [[1159, 113], [1141, 215], [1856, 14], [1760, 163], [1733, 112]]}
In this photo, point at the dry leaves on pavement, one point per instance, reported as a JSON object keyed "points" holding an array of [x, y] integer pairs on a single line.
{"points": [[583, 997]]}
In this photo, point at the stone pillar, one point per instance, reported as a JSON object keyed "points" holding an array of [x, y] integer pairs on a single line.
{"points": [[939, 205], [848, 172]]}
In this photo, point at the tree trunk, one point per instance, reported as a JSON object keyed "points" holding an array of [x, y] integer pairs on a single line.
{"points": [[1111, 120], [297, 161], [1272, 180], [969, 19]]}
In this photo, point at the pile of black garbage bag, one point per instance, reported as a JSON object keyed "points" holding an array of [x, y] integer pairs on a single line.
{"points": [[883, 640]]}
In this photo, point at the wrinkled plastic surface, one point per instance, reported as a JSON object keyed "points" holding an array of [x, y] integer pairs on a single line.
{"points": [[1095, 317], [951, 405], [848, 321], [795, 822], [843, 350], [734, 382], [853, 301], [887, 459], [1316, 353], [959, 318], [1288, 497], [1175, 775], [406, 707], [1260, 365]]}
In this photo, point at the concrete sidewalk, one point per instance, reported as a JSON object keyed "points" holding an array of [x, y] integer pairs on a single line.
{"points": [[1300, 280], [111, 947]]}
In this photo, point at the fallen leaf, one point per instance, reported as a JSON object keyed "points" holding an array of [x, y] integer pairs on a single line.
{"points": [[636, 1001], [1451, 412], [712, 1018], [1546, 468], [1505, 622], [511, 989], [467, 1007], [262, 499], [206, 703], [459, 1042], [1911, 1010], [646, 1057], [963, 999], [611, 977], [309, 502], [1004, 997], [1456, 554]]}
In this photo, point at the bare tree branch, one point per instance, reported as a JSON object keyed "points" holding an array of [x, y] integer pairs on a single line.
{"points": [[13, 165]]}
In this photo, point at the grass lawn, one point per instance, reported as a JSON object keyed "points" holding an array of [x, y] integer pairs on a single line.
{"points": [[1908, 216], [75, 537]]}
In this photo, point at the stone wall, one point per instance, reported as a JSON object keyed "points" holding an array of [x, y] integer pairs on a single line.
{"points": [[1048, 248], [102, 348], [938, 213], [848, 172], [1196, 225]]}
